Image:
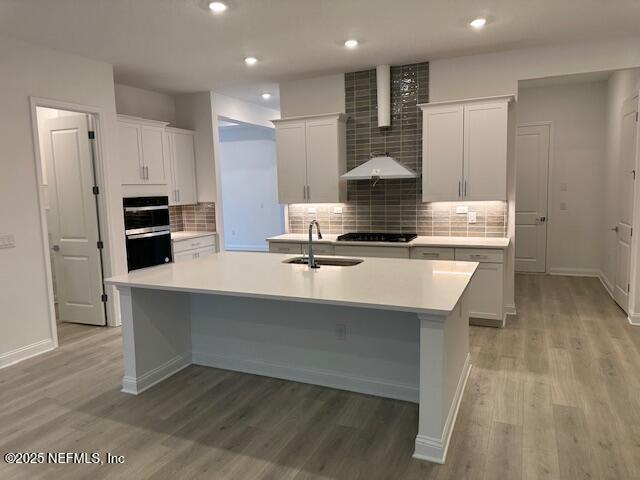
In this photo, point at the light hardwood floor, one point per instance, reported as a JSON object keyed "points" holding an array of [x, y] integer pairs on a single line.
{"points": [[554, 395]]}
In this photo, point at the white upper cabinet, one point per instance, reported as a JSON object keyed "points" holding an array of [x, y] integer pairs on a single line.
{"points": [[141, 150], [464, 149], [485, 151], [311, 157], [182, 166], [442, 141]]}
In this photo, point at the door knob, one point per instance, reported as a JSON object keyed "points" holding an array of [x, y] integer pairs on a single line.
{"points": [[55, 248], [615, 229], [541, 219]]}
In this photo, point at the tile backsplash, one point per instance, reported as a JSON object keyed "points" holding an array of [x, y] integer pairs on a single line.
{"points": [[438, 219], [200, 217], [394, 205]]}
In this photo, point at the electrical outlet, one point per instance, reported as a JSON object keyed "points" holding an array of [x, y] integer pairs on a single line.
{"points": [[312, 210], [337, 209], [563, 206], [462, 209], [7, 240], [341, 331], [471, 218]]}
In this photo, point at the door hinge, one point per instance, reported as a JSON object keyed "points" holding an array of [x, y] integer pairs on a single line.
{"points": [[636, 116], [631, 234], [633, 172], [96, 190], [92, 135], [100, 244], [104, 297], [628, 287]]}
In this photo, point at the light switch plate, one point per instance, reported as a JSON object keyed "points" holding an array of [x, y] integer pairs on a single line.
{"points": [[472, 217], [7, 240], [312, 210], [462, 209], [337, 209], [563, 206]]}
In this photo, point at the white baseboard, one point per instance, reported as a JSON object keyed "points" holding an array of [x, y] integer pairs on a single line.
{"points": [[137, 385], [19, 354], [575, 272], [608, 286], [324, 378], [634, 319], [510, 309], [435, 449]]}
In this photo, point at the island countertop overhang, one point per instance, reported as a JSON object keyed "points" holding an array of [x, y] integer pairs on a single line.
{"points": [[420, 286]]}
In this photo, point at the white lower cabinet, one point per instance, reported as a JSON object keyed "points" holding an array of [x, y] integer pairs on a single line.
{"points": [[192, 248], [486, 303], [371, 251], [285, 247]]}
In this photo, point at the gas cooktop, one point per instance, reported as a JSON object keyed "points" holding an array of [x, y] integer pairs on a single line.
{"points": [[377, 237]]}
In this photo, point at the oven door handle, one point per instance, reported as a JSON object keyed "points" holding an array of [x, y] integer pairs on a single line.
{"points": [[146, 209], [147, 235]]}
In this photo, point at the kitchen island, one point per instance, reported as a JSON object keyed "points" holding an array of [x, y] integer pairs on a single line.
{"points": [[396, 328]]}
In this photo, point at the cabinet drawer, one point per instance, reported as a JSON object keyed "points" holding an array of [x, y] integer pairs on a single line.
{"points": [[193, 243], [432, 253], [319, 249], [367, 251], [487, 255], [285, 247]]}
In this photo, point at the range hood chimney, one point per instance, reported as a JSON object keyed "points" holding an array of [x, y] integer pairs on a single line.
{"points": [[383, 87], [381, 165]]}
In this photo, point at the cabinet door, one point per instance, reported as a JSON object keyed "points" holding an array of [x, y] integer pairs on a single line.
{"points": [[485, 292], [292, 163], [485, 151], [323, 159], [184, 168], [205, 252], [442, 153], [130, 153], [153, 154], [183, 256]]}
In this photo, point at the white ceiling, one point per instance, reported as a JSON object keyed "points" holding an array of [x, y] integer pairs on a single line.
{"points": [[179, 46]]}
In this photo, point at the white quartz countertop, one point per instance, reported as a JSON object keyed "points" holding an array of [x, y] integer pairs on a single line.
{"points": [[178, 236], [421, 286], [421, 241]]}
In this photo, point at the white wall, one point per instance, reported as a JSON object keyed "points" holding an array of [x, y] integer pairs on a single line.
{"points": [[578, 113], [145, 103], [621, 85], [312, 96], [249, 187], [498, 73], [194, 112], [25, 328]]}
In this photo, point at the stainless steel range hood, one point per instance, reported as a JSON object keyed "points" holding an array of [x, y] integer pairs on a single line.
{"points": [[380, 167]]}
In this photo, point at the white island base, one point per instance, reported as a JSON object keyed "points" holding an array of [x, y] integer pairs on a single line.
{"points": [[401, 355]]}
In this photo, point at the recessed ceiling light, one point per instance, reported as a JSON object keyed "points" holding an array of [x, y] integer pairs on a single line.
{"points": [[217, 7], [250, 60], [351, 43], [266, 96], [478, 23]]}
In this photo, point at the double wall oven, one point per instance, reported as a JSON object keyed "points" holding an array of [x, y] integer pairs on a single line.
{"points": [[148, 231]]}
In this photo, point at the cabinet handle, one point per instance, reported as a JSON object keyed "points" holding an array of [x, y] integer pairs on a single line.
{"points": [[304, 192], [430, 254], [142, 173], [479, 257], [308, 192], [465, 188], [178, 193], [459, 188]]}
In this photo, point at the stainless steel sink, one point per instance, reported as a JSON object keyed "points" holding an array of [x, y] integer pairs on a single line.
{"points": [[331, 261]]}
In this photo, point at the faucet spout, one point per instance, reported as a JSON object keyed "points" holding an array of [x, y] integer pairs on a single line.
{"points": [[312, 261]]}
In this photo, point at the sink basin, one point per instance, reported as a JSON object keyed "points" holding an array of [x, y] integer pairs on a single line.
{"points": [[332, 261]]}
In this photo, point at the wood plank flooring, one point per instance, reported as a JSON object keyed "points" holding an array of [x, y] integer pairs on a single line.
{"points": [[554, 395]]}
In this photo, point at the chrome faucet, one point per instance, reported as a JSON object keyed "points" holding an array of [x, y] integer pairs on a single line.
{"points": [[312, 260]]}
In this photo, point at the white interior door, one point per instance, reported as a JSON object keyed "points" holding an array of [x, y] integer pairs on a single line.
{"points": [[626, 180], [73, 221], [532, 174]]}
